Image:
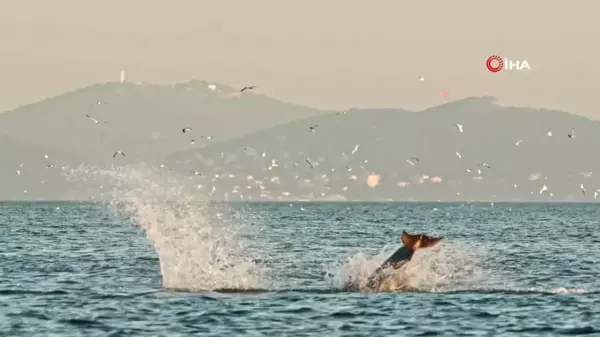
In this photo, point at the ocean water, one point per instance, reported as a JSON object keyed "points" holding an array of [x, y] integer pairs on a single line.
{"points": [[139, 267]]}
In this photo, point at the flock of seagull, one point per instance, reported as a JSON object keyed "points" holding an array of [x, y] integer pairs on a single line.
{"points": [[313, 128]]}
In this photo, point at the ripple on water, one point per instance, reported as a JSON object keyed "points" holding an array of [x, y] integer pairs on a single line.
{"points": [[501, 273]]}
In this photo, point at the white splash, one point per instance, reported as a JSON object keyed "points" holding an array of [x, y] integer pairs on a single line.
{"points": [[196, 251], [446, 267]]}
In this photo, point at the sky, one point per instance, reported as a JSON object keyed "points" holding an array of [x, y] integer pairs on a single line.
{"points": [[332, 54]]}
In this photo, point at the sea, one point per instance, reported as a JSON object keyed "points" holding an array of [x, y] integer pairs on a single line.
{"points": [[141, 266]]}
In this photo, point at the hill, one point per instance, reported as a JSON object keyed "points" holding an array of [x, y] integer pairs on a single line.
{"points": [[144, 121], [386, 140], [33, 172]]}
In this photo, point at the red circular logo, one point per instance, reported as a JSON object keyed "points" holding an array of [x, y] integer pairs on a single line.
{"points": [[498, 67]]}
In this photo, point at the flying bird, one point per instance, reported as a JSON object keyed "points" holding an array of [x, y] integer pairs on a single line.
{"points": [[186, 129], [549, 133], [421, 78], [196, 173], [582, 189], [251, 87], [572, 134], [355, 149], [415, 158], [119, 152], [458, 155], [91, 118], [309, 163], [459, 126], [543, 189], [207, 137], [519, 142], [313, 128], [410, 162]]}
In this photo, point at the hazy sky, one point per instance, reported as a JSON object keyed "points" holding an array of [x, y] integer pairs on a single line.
{"points": [[322, 53]]}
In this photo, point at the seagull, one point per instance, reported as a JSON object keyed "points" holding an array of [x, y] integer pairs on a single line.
{"points": [[251, 87], [19, 172], [486, 165], [193, 141], [458, 155], [50, 166], [273, 164], [207, 137], [196, 173], [91, 118], [21, 165], [596, 194], [543, 189], [341, 112], [582, 189], [459, 126], [421, 78], [410, 162], [415, 158], [519, 142], [313, 128], [119, 152], [549, 133], [355, 149], [186, 129], [572, 134], [309, 163]]}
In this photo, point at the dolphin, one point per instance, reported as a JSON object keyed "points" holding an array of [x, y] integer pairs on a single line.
{"points": [[411, 243]]}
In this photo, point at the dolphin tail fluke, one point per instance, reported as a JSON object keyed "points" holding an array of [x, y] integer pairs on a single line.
{"points": [[417, 241]]}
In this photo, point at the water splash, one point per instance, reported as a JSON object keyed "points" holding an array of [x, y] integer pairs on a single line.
{"points": [[197, 251], [446, 267]]}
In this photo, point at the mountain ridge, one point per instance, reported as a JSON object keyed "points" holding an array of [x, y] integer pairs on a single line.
{"points": [[388, 139], [357, 154], [128, 116]]}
